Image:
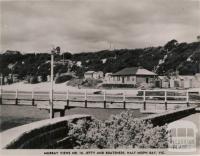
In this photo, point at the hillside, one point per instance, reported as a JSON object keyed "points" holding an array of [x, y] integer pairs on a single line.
{"points": [[184, 57]]}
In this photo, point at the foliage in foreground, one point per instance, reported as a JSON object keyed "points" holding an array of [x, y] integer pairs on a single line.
{"points": [[120, 131]]}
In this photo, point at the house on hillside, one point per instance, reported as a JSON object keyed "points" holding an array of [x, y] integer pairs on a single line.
{"points": [[13, 77], [133, 76], [5, 80], [108, 77], [175, 81], [183, 81], [196, 83], [197, 76], [48, 78], [164, 81], [39, 78], [89, 74], [93, 75], [187, 81], [98, 75]]}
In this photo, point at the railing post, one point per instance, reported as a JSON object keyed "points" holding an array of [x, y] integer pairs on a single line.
{"points": [[62, 113], [124, 100], [67, 98], [144, 99], [51, 109], [104, 99], [187, 99], [16, 97], [33, 101], [1, 96], [85, 98], [165, 100]]}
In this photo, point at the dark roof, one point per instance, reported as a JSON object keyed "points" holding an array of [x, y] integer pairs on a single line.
{"points": [[133, 71], [127, 71]]}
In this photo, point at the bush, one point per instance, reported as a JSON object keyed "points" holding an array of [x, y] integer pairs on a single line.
{"points": [[120, 131], [44, 78], [118, 85], [91, 83], [75, 82], [33, 80], [63, 78]]}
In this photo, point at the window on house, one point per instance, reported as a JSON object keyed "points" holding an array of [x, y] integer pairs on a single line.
{"points": [[118, 78], [133, 79], [147, 80], [128, 78]]}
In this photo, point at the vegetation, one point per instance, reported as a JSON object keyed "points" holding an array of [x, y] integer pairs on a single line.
{"points": [[120, 131], [85, 83], [118, 85], [173, 56], [63, 78]]}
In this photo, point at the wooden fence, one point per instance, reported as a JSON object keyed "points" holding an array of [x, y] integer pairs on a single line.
{"points": [[144, 97]]}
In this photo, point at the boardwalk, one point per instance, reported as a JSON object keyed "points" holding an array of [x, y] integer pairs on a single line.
{"points": [[146, 100]]}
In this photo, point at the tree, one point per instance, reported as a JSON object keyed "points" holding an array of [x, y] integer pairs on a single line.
{"points": [[67, 55], [120, 131], [57, 50], [171, 44]]}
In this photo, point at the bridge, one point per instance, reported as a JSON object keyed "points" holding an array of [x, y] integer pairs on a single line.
{"points": [[148, 101], [168, 106]]}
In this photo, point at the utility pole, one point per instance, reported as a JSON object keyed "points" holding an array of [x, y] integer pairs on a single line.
{"points": [[51, 114], [53, 52], [1, 77]]}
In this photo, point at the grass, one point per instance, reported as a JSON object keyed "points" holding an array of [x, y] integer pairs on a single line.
{"points": [[12, 116]]}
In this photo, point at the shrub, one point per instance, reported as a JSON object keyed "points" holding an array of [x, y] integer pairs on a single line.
{"points": [[75, 82], [63, 78], [120, 131], [91, 82], [33, 80], [118, 85], [44, 78]]}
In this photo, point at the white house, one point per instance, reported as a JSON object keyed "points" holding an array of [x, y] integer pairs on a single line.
{"points": [[164, 81], [197, 77], [132, 75], [108, 77], [175, 81], [187, 81], [89, 74], [93, 75], [98, 75], [39, 78], [183, 81]]}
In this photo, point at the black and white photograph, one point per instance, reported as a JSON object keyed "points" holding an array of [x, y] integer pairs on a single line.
{"points": [[99, 77]]}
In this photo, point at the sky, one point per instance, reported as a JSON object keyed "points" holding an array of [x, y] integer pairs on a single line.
{"points": [[92, 25]]}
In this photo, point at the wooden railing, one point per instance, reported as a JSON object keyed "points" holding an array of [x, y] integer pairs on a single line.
{"points": [[144, 97]]}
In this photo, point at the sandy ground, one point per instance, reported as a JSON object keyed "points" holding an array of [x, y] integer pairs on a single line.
{"points": [[45, 86]]}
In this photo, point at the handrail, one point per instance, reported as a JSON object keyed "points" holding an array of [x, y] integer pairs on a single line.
{"points": [[103, 97]]}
